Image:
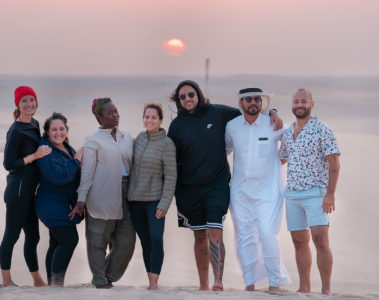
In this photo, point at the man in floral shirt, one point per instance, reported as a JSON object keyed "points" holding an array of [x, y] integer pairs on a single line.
{"points": [[312, 153]]}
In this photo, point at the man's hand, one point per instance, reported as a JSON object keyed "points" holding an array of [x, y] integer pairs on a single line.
{"points": [[78, 209], [328, 204], [79, 155], [274, 117]]}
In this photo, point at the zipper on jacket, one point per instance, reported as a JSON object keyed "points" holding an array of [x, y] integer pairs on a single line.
{"points": [[19, 188], [143, 152]]}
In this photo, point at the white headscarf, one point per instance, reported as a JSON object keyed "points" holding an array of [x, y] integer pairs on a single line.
{"points": [[266, 98]]}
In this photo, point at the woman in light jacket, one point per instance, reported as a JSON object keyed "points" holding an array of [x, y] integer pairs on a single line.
{"points": [[56, 197], [20, 154], [107, 159], [151, 188]]}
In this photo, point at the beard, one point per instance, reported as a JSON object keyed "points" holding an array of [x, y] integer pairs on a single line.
{"points": [[192, 107], [252, 110], [302, 115]]}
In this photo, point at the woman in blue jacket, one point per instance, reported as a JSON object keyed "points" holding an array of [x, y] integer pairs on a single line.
{"points": [[56, 196]]}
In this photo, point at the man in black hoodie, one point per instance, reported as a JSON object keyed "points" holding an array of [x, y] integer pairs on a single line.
{"points": [[202, 190]]}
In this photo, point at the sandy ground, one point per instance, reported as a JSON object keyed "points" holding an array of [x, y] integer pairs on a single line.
{"points": [[132, 292]]}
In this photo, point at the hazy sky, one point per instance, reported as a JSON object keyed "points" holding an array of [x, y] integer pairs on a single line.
{"points": [[124, 37]]}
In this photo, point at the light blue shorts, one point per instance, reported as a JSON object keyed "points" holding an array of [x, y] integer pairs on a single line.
{"points": [[304, 209]]}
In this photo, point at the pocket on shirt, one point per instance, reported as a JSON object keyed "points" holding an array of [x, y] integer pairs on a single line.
{"points": [[262, 148]]}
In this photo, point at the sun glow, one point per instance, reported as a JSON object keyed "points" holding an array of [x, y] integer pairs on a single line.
{"points": [[174, 47]]}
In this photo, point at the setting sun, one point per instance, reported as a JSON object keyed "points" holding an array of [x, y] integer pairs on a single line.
{"points": [[174, 47]]}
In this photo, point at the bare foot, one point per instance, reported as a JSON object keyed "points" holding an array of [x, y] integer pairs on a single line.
{"points": [[204, 288], [38, 281], [250, 288], [153, 287], [217, 285], [153, 281], [7, 278], [216, 288], [327, 292], [7, 284], [274, 290]]}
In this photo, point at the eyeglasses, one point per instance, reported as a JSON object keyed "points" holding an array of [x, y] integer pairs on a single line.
{"points": [[184, 96], [256, 99]]}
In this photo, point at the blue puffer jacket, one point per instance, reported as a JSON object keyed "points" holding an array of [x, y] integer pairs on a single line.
{"points": [[59, 180]]}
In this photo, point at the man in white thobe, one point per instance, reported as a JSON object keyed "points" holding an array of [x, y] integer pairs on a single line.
{"points": [[256, 191]]}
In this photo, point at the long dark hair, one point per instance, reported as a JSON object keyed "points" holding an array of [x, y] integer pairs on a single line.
{"points": [[54, 116], [203, 102]]}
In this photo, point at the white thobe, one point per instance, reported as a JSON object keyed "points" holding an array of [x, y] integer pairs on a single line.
{"points": [[256, 198]]}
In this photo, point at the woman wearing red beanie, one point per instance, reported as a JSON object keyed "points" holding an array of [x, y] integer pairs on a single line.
{"points": [[21, 151]]}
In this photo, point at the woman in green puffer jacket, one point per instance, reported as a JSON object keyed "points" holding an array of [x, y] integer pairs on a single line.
{"points": [[151, 188]]}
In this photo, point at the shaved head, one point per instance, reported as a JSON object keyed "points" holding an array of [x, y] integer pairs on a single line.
{"points": [[302, 90]]}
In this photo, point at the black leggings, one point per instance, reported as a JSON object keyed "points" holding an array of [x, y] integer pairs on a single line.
{"points": [[150, 231], [63, 241], [19, 197]]}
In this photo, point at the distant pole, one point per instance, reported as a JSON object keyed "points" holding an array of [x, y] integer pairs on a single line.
{"points": [[207, 62]]}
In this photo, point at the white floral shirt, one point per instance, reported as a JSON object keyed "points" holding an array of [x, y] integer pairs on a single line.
{"points": [[307, 165]]}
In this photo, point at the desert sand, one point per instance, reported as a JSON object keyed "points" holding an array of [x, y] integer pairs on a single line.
{"points": [[178, 293]]}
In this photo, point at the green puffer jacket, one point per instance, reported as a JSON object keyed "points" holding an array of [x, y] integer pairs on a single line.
{"points": [[153, 175]]}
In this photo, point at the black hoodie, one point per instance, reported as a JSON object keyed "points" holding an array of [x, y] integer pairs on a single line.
{"points": [[200, 144]]}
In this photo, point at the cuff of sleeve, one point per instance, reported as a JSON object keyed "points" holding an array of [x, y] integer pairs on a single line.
{"points": [[162, 207], [81, 199]]}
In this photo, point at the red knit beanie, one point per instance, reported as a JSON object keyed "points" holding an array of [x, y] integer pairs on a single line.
{"points": [[22, 91]]}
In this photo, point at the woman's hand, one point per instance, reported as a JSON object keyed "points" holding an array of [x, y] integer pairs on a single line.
{"points": [[160, 213], [41, 152], [78, 209], [79, 154]]}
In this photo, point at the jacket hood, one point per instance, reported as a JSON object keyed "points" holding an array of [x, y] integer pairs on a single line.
{"points": [[201, 106]]}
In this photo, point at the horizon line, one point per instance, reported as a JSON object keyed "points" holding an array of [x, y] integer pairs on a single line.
{"points": [[187, 76]]}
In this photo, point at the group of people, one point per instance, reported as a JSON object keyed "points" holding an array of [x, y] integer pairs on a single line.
{"points": [[122, 187]]}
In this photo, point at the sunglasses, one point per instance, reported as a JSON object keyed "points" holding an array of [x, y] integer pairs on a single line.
{"points": [[184, 96], [256, 99]]}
